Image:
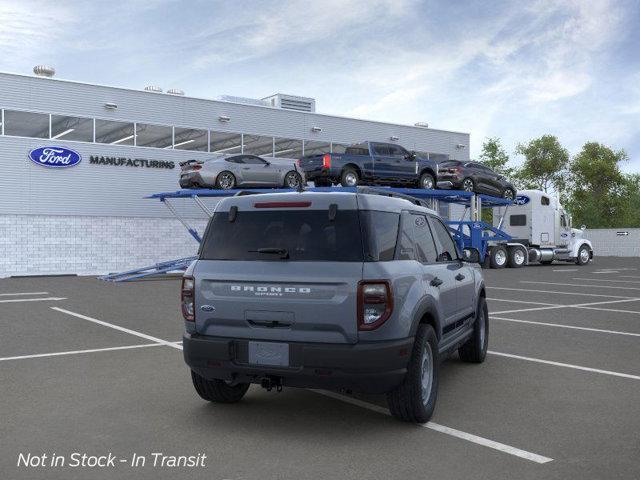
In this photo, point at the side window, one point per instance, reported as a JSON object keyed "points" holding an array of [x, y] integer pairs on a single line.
{"points": [[381, 149], [517, 220], [446, 247], [406, 240], [425, 247], [235, 160], [544, 200], [396, 151], [563, 221], [253, 160]]}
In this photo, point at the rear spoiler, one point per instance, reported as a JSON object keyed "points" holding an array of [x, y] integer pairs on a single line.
{"points": [[190, 162]]}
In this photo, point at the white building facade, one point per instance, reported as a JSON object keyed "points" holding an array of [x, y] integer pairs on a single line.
{"points": [[92, 217]]}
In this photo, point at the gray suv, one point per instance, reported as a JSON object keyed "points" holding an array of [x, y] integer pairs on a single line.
{"points": [[347, 291]]}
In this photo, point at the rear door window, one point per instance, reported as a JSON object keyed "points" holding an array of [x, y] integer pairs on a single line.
{"points": [[380, 232], [446, 246], [305, 235], [381, 149]]}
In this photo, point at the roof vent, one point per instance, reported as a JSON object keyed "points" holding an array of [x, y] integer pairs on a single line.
{"points": [[175, 91], [153, 88], [44, 71]]}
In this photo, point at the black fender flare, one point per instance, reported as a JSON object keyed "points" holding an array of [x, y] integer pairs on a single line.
{"points": [[427, 306]]}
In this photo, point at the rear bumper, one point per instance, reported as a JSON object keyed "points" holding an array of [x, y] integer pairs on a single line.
{"points": [[320, 173], [374, 367], [450, 183], [191, 180]]}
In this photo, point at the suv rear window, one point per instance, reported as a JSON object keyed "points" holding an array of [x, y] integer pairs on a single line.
{"points": [[306, 235]]}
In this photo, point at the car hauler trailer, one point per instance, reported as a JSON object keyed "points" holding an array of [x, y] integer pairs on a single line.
{"points": [[471, 235], [540, 231]]}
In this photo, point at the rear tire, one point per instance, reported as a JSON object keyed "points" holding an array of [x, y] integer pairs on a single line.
{"points": [[427, 182], [414, 400], [349, 178], [468, 185], [517, 257], [225, 180], [498, 257], [292, 180], [218, 391], [474, 350]]}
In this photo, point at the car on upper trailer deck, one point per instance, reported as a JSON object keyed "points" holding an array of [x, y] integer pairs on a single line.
{"points": [[474, 177], [371, 163], [241, 170]]}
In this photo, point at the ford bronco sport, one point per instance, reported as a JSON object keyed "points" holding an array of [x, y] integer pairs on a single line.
{"points": [[337, 290]]}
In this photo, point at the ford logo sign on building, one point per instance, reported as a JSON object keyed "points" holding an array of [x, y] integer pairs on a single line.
{"points": [[56, 157]]}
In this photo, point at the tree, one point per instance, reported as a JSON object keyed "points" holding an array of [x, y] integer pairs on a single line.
{"points": [[599, 193], [545, 164], [495, 157]]}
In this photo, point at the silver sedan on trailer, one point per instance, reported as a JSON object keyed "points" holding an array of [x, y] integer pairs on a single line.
{"points": [[241, 170]]}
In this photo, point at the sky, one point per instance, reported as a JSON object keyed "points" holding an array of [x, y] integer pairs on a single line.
{"points": [[514, 70]]}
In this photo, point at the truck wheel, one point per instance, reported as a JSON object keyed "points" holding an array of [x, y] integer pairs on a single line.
{"points": [[349, 178], [474, 350], [517, 257], [427, 181], [218, 391], [583, 255], [415, 399], [498, 257]]}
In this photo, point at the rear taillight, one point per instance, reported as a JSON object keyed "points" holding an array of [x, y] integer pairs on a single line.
{"points": [[187, 299], [299, 162], [326, 161], [375, 303]]}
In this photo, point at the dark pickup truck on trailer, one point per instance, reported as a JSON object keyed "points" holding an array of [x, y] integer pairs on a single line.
{"points": [[370, 163]]}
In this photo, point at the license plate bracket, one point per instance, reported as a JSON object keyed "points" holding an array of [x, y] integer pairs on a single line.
{"points": [[269, 353]]}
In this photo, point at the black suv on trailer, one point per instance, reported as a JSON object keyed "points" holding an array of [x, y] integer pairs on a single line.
{"points": [[474, 177]]}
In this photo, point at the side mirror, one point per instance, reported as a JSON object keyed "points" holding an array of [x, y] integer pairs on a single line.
{"points": [[267, 163], [471, 255]]}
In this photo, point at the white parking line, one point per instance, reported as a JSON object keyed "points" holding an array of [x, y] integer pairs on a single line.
{"points": [[566, 269], [485, 442], [45, 299], [579, 285], [565, 365], [23, 293], [559, 325], [119, 328], [529, 290], [608, 309], [76, 352], [604, 280], [520, 301], [577, 305]]}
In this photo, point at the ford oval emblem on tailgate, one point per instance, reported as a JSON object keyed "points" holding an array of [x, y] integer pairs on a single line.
{"points": [[207, 308], [56, 157]]}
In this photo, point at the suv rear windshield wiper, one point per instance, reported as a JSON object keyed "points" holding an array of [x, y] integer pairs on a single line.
{"points": [[283, 252]]}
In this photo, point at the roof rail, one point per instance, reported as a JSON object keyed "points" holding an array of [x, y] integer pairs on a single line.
{"points": [[389, 193]]}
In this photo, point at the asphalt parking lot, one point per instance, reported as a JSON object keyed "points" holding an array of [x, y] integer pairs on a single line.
{"points": [[95, 367]]}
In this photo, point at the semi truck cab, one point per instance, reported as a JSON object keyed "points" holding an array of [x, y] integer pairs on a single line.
{"points": [[539, 224]]}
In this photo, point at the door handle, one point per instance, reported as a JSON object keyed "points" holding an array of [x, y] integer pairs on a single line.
{"points": [[460, 277], [436, 282], [246, 168]]}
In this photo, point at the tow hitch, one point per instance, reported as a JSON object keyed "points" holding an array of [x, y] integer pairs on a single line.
{"points": [[269, 383]]}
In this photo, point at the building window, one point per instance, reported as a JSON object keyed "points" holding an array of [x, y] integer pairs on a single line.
{"points": [[316, 148], [26, 124], [72, 128], [338, 147], [287, 148], [258, 145], [114, 133], [157, 136], [225, 142], [190, 139]]}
